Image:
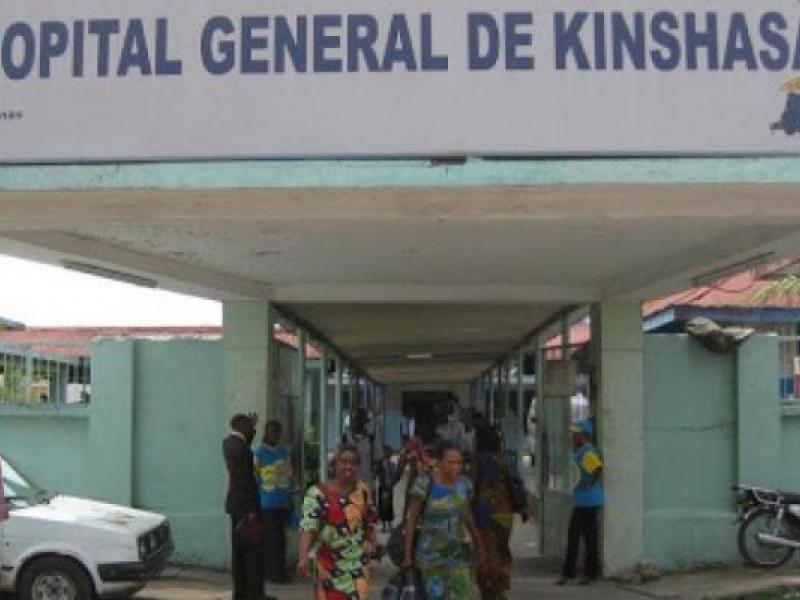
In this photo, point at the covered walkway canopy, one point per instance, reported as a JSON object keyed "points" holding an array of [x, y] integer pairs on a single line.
{"points": [[419, 272], [389, 259]]}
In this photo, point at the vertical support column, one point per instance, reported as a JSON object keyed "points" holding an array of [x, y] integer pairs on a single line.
{"points": [[617, 329], [520, 385], [497, 380], [759, 412], [506, 373], [540, 471], [248, 328], [301, 420], [323, 415], [337, 403], [111, 430], [520, 440]]}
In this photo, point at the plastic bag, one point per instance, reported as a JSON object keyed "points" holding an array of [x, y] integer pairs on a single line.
{"points": [[413, 588], [393, 588]]}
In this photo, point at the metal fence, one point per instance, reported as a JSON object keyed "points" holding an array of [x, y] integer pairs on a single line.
{"points": [[789, 368], [45, 373]]}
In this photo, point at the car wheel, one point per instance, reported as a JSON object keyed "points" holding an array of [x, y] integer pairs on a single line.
{"points": [[54, 578]]}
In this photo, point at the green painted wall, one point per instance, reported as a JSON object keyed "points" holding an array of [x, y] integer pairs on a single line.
{"points": [[690, 456], [178, 427], [150, 438], [790, 451], [52, 446]]}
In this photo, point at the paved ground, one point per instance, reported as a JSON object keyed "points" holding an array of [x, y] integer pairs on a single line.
{"points": [[533, 580]]}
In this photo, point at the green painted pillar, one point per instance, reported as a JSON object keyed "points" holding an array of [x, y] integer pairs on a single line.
{"points": [[540, 473], [617, 330], [111, 430], [323, 415], [301, 413], [337, 402], [759, 412], [248, 327]]}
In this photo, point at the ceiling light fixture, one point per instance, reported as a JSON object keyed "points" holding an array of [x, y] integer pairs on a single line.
{"points": [[419, 356], [113, 274], [732, 269]]}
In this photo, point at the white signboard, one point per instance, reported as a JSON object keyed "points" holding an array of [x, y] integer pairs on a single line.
{"points": [[176, 79]]}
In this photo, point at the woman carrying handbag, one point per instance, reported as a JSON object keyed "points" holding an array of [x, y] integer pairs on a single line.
{"points": [[438, 515]]}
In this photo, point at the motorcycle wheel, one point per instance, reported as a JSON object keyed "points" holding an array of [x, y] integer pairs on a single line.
{"points": [[756, 553]]}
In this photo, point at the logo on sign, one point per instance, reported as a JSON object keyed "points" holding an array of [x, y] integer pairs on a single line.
{"points": [[789, 122]]}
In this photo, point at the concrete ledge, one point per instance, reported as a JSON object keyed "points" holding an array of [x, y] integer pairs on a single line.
{"points": [[790, 410], [61, 411], [402, 173]]}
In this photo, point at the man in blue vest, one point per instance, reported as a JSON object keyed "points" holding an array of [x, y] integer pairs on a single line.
{"points": [[587, 497]]}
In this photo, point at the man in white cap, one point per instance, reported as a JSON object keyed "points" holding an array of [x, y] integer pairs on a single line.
{"points": [[587, 497]]}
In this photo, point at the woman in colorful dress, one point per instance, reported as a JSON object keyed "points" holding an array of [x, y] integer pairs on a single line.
{"points": [[494, 507], [438, 515], [338, 516]]}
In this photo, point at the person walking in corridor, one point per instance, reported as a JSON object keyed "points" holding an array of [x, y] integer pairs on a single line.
{"points": [[497, 498], [242, 505], [587, 501], [440, 504], [274, 476], [339, 518], [386, 470]]}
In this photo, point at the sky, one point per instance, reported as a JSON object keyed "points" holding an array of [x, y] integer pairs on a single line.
{"points": [[41, 295]]}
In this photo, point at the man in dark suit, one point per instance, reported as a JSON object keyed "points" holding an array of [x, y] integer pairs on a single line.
{"points": [[243, 505]]}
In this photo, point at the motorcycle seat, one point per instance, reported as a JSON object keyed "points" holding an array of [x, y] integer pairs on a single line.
{"points": [[790, 498]]}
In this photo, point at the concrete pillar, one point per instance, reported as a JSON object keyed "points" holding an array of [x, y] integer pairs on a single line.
{"points": [[520, 386], [337, 403], [111, 432], [247, 341], [303, 414], [323, 415], [759, 413], [617, 331]]}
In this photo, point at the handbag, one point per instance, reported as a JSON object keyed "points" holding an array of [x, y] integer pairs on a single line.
{"points": [[250, 530], [395, 547]]}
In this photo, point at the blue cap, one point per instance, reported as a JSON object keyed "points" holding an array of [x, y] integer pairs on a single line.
{"points": [[585, 427]]}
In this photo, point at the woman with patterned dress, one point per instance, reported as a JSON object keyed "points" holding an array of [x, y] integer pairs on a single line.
{"points": [[339, 517], [494, 513], [439, 512]]}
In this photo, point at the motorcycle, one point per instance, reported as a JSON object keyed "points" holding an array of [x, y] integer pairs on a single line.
{"points": [[769, 525]]}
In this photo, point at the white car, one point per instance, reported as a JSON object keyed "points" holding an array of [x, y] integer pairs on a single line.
{"points": [[55, 547]]}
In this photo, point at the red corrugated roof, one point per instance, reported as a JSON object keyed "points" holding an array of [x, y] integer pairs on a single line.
{"points": [[736, 291], [579, 334], [74, 341]]}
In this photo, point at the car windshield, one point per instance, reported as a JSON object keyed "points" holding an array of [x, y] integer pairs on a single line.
{"points": [[20, 491]]}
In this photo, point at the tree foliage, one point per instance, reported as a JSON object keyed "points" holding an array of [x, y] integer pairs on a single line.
{"points": [[785, 288]]}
